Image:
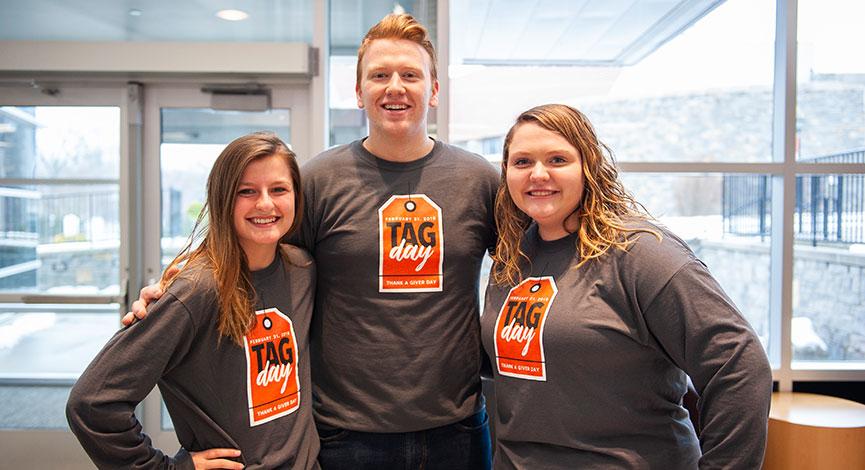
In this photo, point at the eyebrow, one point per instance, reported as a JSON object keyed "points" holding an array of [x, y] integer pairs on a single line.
{"points": [[379, 68], [247, 183], [558, 151]]}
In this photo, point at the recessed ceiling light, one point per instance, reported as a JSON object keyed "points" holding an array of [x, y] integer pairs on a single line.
{"points": [[232, 15], [135, 12]]}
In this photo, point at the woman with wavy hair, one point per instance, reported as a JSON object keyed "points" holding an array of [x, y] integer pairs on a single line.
{"points": [[229, 347], [595, 317]]}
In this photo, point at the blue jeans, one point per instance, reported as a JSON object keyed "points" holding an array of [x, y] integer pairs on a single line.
{"points": [[464, 445]]}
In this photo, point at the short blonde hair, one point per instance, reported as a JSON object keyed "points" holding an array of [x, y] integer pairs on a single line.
{"points": [[398, 26]]}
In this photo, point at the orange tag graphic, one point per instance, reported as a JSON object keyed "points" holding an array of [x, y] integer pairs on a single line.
{"points": [[272, 387], [519, 340], [411, 245]]}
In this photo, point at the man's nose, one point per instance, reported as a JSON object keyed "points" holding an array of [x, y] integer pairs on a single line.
{"points": [[394, 85]]}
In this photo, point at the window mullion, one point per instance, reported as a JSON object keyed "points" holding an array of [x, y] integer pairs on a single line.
{"points": [[783, 200]]}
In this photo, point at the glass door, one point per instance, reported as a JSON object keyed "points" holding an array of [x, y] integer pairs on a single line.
{"points": [[62, 257]]}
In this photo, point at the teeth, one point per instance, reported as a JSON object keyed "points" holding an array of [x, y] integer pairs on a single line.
{"points": [[258, 220], [395, 106], [541, 193]]}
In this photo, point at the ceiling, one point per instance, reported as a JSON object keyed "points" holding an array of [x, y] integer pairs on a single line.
{"points": [[489, 32], [577, 32], [159, 20]]}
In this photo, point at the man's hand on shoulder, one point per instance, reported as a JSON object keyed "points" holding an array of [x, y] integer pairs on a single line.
{"points": [[148, 295]]}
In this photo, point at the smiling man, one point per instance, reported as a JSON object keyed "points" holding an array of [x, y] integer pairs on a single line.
{"points": [[398, 224]]}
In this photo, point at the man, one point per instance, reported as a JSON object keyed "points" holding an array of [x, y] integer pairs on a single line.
{"points": [[398, 224]]}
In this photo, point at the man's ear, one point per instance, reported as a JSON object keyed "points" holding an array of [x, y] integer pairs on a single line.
{"points": [[434, 98]]}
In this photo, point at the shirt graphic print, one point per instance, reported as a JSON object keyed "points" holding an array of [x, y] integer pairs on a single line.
{"points": [[273, 385], [519, 331], [411, 244]]}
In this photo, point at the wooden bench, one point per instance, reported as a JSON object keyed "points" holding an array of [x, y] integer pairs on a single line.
{"points": [[808, 431]]}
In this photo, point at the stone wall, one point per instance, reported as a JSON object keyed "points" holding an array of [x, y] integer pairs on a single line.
{"points": [[729, 125], [78, 265], [828, 290]]}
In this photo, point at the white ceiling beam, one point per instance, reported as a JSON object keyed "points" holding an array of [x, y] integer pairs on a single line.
{"points": [[289, 59]]}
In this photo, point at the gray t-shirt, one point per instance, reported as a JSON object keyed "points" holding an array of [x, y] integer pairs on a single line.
{"points": [[256, 398], [395, 341], [589, 363]]}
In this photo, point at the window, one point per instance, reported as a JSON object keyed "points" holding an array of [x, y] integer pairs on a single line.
{"points": [[657, 95], [59, 241], [688, 101], [702, 95], [829, 254]]}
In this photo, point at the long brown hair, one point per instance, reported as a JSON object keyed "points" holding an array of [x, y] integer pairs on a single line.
{"points": [[398, 26], [601, 211], [220, 249]]}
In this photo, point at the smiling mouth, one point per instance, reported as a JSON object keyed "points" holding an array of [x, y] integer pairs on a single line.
{"points": [[395, 107], [263, 220], [541, 193]]}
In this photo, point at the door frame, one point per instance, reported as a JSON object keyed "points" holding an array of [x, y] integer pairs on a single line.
{"points": [[58, 448]]}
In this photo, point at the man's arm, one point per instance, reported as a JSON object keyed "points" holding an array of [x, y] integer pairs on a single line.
{"points": [[148, 295]]}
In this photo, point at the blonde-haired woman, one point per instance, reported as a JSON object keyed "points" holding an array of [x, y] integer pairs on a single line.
{"points": [[595, 316], [229, 347]]}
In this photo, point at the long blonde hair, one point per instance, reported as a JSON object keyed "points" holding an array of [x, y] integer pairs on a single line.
{"points": [[220, 249], [601, 211]]}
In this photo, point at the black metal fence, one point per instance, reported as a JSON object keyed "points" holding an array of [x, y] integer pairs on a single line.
{"points": [[829, 208], [746, 202]]}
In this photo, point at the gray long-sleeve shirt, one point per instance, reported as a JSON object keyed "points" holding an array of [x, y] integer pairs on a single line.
{"points": [[602, 378], [256, 398]]}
